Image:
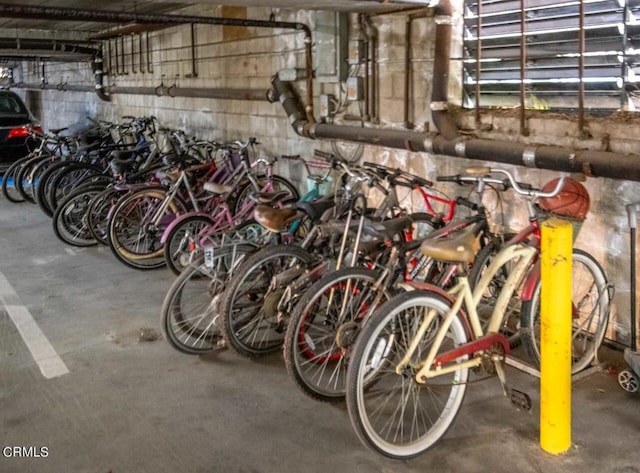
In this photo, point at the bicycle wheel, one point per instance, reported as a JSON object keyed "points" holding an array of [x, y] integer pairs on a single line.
{"points": [[9, 189], [511, 321], [98, 213], [249, 306], [45, 184], [278, 183], [323, 327], [189, 314], [70, 218], [391, 413], [182, 242], [136, 226], [590, 313], [68, 179], [25, 183]]}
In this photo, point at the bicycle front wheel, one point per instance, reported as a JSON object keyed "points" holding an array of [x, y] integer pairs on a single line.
{"points": [[189, 314], [391, 413], [136, 227], [590, 313]]}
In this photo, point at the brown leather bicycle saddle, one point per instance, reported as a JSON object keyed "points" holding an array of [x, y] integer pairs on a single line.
{"points": [[460, 247], [274, 220]]}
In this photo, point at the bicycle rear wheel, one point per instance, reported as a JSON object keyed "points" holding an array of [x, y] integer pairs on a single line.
{"points": [[70, 223], [249, 307], [590, 313], [189, 314], [391, 413], [9, 179], [323, 327]]}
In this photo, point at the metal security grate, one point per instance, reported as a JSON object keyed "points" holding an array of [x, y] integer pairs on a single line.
{"points": [[544, 54]]}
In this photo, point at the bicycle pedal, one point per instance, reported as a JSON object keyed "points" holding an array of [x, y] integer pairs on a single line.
{"points": [[520, 400]]}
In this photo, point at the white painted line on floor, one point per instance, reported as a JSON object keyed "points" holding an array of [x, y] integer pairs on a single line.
{"points": [[50, 364]]}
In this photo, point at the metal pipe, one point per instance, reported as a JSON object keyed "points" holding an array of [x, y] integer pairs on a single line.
{"points": [[408, 71], [133, 61], [440, 82], [367, 83], [141, 62], [77, 14], [478, 62], [523, 68], [194, 71], [581, 39], [373, 43], [160, 91], [67, 47], [591, 163]]}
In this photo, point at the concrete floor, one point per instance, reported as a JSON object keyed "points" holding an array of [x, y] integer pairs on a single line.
{"points": [[128, 405]]}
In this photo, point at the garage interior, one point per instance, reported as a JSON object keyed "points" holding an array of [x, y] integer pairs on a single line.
{"points": [[535, 87]]}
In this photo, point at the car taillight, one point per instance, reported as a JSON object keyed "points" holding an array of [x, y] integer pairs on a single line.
{"points": [[23, 131]]}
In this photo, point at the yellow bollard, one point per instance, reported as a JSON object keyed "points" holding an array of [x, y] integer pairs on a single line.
{"points": [[555, 345]]}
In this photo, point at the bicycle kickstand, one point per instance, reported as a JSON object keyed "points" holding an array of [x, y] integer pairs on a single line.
{"points": [[519, 399]]}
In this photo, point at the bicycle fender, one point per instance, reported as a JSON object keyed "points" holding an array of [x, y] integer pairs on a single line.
{"points": [[530, 283], [178, 220], [425, 286]]}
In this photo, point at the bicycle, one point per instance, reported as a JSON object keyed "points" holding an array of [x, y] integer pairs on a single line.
{"points": [[229, 207], [410, 365]]}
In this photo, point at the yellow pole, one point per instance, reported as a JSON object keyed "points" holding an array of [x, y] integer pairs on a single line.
{"points": [[555, 345]]}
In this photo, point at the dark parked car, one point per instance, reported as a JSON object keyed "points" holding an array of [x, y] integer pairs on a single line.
{"points": [[15, 120]]}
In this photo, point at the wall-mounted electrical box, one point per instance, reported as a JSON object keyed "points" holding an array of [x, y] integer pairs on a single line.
{"points": [[356, 52], [355, 90], [327, 105], [331, 48]]}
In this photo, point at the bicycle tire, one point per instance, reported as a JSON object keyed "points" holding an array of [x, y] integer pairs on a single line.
{"points": [[402, 428], [180, 243], [322, 328], [132, 240], [588, 323], [68, 179], [248, 307], [189, 315], [24, 178], [238, 201], [9, 189], [70, 218], [44, 185]]}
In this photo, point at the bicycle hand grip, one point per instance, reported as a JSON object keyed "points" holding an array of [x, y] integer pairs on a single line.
{"points": [[128, 117], [467, 203], [421, 181], [322, 154], [291, 157], [455, 178], [478, 170]]}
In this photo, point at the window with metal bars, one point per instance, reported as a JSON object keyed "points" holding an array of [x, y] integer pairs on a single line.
{"points": [[545, 54]]}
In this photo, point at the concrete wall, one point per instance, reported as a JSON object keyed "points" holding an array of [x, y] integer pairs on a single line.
{"points": [[247, 57]]}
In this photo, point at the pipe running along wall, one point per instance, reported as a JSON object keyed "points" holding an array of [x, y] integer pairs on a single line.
{"points": [[76, 14], [447, 141]]}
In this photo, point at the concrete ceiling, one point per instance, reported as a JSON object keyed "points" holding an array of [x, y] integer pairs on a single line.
{"points": [[172, 7]]}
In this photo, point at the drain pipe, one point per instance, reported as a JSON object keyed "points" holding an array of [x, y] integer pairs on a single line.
{"points": [[591, 163], [160, 91], [81, 15]]}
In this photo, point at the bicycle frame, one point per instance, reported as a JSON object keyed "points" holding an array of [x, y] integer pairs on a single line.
{"points": [[461, 293]]}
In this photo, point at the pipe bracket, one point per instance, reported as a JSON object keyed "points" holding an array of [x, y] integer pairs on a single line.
{"points": [[443, 19], [461, 149], [529, 157], [439, 106]]}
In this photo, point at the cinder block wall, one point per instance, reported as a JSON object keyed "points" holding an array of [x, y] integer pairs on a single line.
{"points": [[248, 57]]}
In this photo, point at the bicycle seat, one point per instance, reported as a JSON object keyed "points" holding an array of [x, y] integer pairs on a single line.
{"points": [[267, 197], [387, 229], [460, 247], [55, 131], [274, 220], [217, 188], [315, 209]]}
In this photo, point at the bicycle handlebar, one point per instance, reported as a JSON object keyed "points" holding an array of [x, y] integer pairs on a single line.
{"points": [[481, 175]]}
